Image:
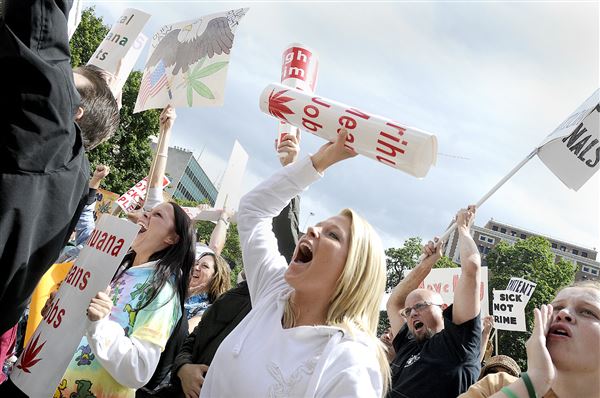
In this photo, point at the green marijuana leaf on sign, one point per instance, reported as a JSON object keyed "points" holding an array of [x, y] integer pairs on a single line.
{"points": [[192, 80]]}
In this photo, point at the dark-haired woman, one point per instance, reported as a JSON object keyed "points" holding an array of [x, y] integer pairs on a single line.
{"points": [[130, 324]]}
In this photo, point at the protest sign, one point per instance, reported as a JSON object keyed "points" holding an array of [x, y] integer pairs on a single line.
{"points": [[120, 39], [135, 196], [231, 185], [74, 17], [299, 69], [391, 143], [104, 202], [444, 281], [523, 286], [509, 310], [572, 150], [187, 64], [49, 351]]}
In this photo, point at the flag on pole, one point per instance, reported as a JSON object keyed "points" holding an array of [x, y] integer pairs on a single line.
{"points": [[572, 150]]}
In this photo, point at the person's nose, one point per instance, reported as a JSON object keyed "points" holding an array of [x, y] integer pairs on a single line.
{"points": [[564, 315], [313, 231]]}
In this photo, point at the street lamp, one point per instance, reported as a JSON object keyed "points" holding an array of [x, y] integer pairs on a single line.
{"points": [[306, 220]]}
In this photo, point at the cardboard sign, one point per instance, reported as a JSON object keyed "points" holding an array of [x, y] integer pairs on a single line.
{"points": [[522, 286], [134, 197], [187, 64], [47, 355], [572, 151], [104, 202], [509, 310], [231, 186], [391, 143], [299, 69], [119, 40]]}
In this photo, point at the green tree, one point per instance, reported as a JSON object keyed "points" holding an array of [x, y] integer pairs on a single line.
{"points": [[128, 151], [533, 260]]}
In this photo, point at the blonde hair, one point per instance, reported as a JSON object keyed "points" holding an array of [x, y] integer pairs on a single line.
{"points": [[354, 305], [221, 280], [581, 284]]}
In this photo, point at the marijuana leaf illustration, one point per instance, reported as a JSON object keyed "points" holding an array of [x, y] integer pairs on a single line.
{"points": [[28, 358], [277, 105], [192, 80]]}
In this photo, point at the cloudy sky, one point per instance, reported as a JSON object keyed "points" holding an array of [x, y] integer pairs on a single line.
{"points": [[489, 79]]}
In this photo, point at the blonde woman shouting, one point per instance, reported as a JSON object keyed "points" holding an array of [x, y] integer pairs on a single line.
{"points": [[311, 331]]}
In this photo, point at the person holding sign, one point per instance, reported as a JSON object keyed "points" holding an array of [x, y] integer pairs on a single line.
{"points": [[43, 169], [562, 352], [319, 313], [434, 341], [130, 325]]}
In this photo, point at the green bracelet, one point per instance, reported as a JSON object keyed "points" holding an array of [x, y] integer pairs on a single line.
{"points": [[508, 392], [529, 385]]}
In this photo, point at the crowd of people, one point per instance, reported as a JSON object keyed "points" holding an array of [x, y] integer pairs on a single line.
{"points": [[302, 320]]}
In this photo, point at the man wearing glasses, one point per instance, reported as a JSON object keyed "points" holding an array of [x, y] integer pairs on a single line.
{"points": [[437, 346]]}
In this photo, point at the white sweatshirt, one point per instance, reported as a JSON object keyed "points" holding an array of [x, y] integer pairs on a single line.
{"points": [[260, 358]]}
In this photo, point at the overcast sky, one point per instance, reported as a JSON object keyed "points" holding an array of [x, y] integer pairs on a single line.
{"points": [[490, 80]]}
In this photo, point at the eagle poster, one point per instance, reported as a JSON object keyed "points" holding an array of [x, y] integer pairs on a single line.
{"points": [[187, 64]]}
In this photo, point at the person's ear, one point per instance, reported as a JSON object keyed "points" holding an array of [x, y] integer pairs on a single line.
{"points": [[172, 239], [79, 113]]}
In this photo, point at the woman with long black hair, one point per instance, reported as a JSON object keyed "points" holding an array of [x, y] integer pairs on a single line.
{"points": [[130, 323]]}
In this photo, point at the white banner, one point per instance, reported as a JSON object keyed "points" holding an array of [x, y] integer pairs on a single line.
{"points": [[196, 214], [523, 286], [509, 310], [405, 148], [572, 151], [231, 185], [444, 281], [74, 17], [187, 63], [46, 357], [120, 39], [136, 194]]}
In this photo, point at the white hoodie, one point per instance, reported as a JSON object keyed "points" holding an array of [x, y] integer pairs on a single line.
{"points": [[262, 359]]}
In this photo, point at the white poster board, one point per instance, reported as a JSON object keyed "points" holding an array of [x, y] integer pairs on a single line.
{"points": [[131, 199], [231, 186], [196, 214], [404, 148], [120, 39], [74, 17], [46, 357], [572, 151], [509, 310], [522, 286], [187, 63], [444, 281]]}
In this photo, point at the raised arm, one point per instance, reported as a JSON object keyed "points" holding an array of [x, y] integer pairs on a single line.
{"points": [[262, 260], [159, 165], [466, 295], [218, 237], [432, 251]]}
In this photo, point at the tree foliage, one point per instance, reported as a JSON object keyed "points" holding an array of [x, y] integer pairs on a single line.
{"points": [[128, 151], [533, 260]]}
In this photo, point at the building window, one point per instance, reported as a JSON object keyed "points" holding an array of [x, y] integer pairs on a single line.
{"points": [[585, 269], [513, 233], [480, 248], [490, 240], [482, 238], [584, 254], [594, 271], [575, 252], [486, 250], [554, 245], [494, 228], [503, 230], [563, 248], [523, 236]]}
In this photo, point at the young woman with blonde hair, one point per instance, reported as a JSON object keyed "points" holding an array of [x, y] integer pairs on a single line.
{"points": [[319, 313]]}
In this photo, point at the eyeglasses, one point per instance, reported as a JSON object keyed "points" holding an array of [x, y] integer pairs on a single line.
{"points": [[417, 307]]}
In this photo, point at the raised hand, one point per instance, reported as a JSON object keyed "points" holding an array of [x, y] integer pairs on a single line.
{"points": [[290, 145], [332, 152], [540, 368], [100, 306], [167, 118]]}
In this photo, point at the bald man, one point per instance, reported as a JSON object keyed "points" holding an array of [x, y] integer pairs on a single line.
{"points": [[437, 346]]}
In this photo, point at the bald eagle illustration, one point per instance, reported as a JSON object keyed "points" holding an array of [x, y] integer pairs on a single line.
{"points": [[217, 38]]}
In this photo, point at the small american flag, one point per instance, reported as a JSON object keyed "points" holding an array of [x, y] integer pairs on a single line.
{"points": [[152, 83]]}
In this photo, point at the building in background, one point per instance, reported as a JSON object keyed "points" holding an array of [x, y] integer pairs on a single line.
{"points": [[493, 232], [188, 179]]}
